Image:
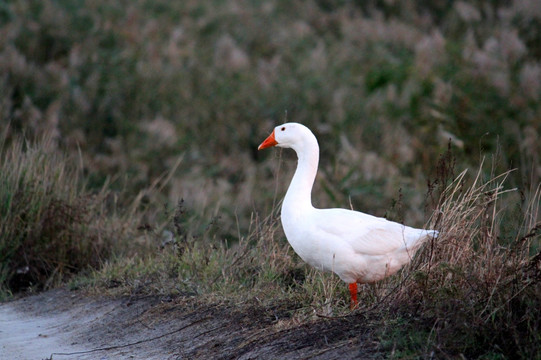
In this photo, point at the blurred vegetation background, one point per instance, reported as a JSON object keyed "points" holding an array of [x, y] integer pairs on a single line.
{"points": [[133, 87]]}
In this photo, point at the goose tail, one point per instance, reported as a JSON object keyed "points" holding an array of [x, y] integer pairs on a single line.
{"points": [[420, 237]]}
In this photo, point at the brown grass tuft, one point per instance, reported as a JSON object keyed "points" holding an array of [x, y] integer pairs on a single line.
{"points": [[473, 288]]}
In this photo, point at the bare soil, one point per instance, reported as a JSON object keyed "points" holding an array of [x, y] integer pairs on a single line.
{"points": [[63, 324]]}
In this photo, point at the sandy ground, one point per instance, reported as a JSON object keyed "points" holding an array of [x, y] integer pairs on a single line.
{"points": [[62, 324], [24, 336], [56, 322]]}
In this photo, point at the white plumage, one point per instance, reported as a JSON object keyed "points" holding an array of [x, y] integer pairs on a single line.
{"points": [[358, 247]]}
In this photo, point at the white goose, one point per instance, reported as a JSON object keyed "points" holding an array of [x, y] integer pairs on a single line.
{"points": [[359, 248]]}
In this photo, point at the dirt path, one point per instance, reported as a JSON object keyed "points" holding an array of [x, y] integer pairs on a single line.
{"points": [[72, 325]]}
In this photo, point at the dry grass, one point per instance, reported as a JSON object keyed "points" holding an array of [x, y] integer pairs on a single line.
{"points": [[52, 226], [467, 292], [472, 290]]}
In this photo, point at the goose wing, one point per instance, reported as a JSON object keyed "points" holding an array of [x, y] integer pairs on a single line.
{"points": [[365, 234]]}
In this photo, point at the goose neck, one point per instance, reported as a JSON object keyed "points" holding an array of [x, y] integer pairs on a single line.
{"points": [[299, 193]]}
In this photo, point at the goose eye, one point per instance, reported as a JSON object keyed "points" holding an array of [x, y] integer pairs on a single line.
{"points": [[283, 128]]}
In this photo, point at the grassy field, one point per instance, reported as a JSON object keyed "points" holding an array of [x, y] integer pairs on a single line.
{"points": [[129, 165]]}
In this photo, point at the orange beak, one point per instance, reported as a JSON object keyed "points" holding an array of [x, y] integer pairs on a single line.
{"points": [[270, 141]]}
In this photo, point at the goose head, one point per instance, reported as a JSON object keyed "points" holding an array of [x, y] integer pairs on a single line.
{"points": [[290, 135]]}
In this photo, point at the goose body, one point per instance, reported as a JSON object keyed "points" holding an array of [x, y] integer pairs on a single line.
{"points": [[358, 247]]}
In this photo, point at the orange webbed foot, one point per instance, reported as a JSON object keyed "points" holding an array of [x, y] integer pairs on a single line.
{"points": [[353, 293]]}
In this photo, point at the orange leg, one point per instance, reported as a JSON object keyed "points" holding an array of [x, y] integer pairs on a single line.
{"points": [[353, 293]]}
